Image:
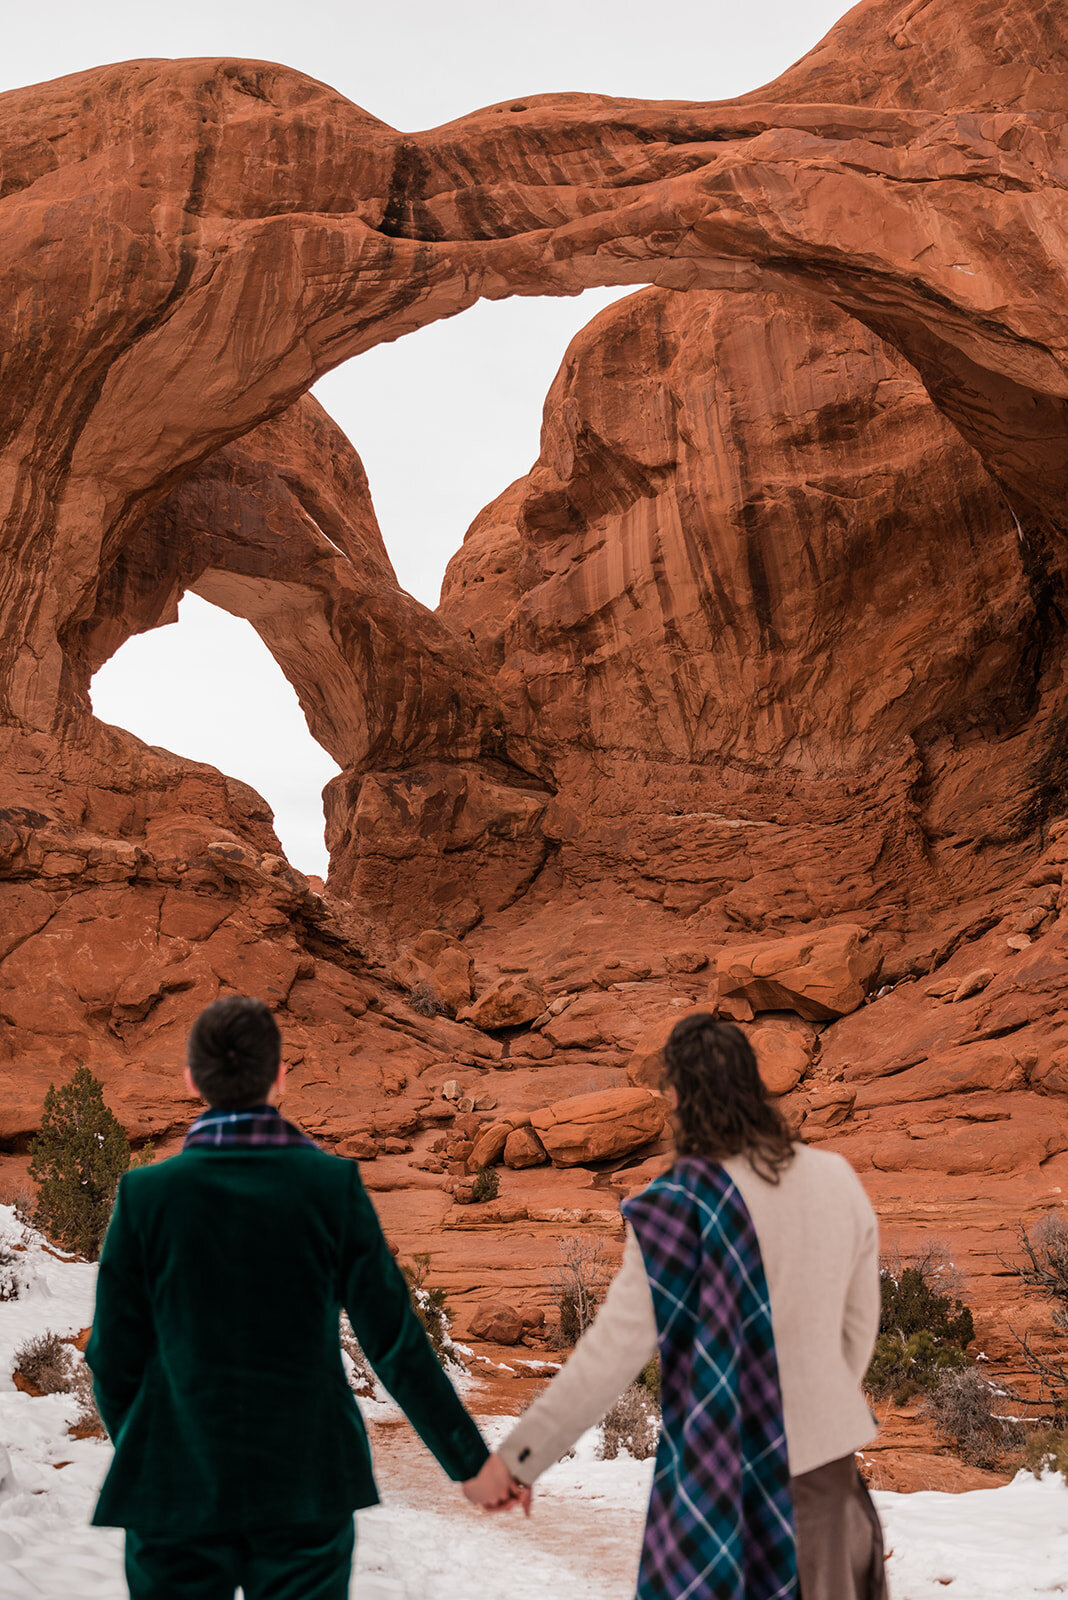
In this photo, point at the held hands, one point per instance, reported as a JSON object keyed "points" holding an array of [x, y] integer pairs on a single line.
{"points": [[495, 1489]]}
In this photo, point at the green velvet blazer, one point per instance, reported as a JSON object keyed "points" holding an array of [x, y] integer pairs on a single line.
{"points": [[215, 1353]]}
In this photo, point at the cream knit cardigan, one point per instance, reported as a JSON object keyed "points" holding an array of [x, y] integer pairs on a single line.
{"points": [[818, 1237]]}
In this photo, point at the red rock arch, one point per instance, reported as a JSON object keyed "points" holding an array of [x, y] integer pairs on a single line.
{"points": [[187, 246]]}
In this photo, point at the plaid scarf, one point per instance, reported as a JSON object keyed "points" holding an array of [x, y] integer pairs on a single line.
{"points": [[720, 1524], [258, 1127]]}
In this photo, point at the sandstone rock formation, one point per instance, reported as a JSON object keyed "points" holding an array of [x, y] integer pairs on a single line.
{"points": [[783, 1056], [770, 640], [594, 1127], [523, 1148], [508, 1003], [820, 975], [436, 968]]}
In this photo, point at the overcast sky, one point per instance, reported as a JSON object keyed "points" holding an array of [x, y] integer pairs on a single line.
{"points": [[447, 417]]}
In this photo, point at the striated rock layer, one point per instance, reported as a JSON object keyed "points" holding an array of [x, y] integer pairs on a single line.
{"points": [[769, 643]]}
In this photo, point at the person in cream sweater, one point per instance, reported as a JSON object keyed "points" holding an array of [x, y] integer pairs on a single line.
{"points": [[816, 1238]]}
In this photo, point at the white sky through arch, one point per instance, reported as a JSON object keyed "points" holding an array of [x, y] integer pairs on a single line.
{"points": [[208, 688], [447, 417]]}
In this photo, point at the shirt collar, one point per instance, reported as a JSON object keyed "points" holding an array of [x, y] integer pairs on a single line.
{"points": [[220, 1114]]}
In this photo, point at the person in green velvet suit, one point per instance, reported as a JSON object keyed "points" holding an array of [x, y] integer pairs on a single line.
{"points": [[240, 1452]]}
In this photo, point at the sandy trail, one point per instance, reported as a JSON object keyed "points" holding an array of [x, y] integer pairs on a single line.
{"points": [[426, 1543]]}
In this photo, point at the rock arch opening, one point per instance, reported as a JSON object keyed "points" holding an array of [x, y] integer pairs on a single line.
{"points": [[464, 399], [207, 688]]}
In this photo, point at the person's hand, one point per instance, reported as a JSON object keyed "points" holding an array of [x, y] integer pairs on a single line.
{"points": [[494, 1489]]}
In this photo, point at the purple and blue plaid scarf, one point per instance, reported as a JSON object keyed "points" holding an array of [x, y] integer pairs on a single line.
{"points": [[257, 1128], [720, 1524]]}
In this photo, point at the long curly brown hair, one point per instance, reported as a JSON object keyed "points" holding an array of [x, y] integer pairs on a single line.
{"points": [[723, 1107]]}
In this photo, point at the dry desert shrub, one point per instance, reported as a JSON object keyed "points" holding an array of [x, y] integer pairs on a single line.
{"points": [[580, 1281], [1045, 1264], [633, 1425], [967, 1411], [1044, 1269], [45, 1363], [1047, 1451], [88, 1423], [424, 1002]]}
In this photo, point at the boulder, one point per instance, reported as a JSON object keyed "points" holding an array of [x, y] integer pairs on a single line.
{"points": [[783, 1056], [523, 1148], [359, 1146], [508, 1003], [598, 1126], [827, 1108], [646, 1065], [820, 975], [974, 983], [574, 1031], [532, 1047], [497, 1322], [489, 1146]]}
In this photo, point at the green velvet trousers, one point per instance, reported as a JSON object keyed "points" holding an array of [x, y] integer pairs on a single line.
{"points": [[308, 1562]]}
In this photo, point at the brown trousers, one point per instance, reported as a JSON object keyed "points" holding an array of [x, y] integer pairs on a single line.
{"points": [[839, 1537]]}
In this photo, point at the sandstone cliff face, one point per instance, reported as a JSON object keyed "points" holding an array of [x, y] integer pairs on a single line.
{"points": [[769, 641], [756, 578]]}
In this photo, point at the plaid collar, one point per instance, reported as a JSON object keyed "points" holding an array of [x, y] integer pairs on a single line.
{"points": [[255, 1127]]}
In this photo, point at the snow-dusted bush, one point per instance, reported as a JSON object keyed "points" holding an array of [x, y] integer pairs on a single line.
{"points": [[964, 1407], [633, 1425], [45, 1363], [357, 1367], [432, 1309], [1047, 1451], [15, 1275]]}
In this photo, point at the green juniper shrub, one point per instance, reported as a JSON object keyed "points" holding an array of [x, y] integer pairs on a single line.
{"points": [[922, 1334], [649, 1378], [487, 1185], [77, 1159]]}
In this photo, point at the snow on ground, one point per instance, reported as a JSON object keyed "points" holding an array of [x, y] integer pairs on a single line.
{"points": [[426, 1543]]}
